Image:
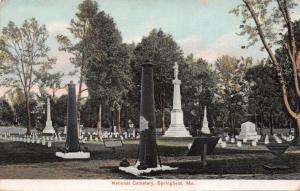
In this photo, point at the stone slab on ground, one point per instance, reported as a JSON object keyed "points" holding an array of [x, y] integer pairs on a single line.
{"points": [[73, 155], [133, 169]]}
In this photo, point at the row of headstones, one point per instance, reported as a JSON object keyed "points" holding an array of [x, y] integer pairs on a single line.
{"points": [[34, 135], [287, 138], [253, 142], [234, 140], [124, 135], [27, 139], [107, 135]]}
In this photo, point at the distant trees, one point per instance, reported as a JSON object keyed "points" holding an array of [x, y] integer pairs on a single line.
{"points": [[109, 72], [6, 113], [23, 51], [79, 29], [160, 49], [264, 97], [198, 88], [232, 88]]}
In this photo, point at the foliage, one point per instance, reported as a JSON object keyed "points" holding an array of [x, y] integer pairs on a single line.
{"points": [[232, 88], [264, 96], [6, 113], [198, 87], [23, 51], [161, 50]]}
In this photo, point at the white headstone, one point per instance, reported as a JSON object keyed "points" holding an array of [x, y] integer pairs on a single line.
{"points": [[223, 144], [244, 140], [254, 143], [65, 130], [232, 140], [220, 141], [227, 138], [267, 141], [239, 143], [49, 144], [59, 137], [125, 135], [248, 132]]}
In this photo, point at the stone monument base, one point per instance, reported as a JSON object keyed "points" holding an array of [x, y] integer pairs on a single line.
{"points": [[48, 131], [249, 137], [177, 131], [73, 155], [49, 128]]}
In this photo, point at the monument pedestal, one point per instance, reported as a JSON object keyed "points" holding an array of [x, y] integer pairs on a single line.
{"points": [[177, 128], [73, 155], [48, 129]]}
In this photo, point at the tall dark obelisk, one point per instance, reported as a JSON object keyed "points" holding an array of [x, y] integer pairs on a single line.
{"points": [[147, 145], [72, 142]]}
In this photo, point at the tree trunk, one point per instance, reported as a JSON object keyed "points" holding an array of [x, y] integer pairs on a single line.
{"points": [[99, 132], [296, 140], [296, 126], [271, 124], [162, 121], [118, 121], [125, 125], [112, 120], [78, 102], [29, 125], [162, 116]]}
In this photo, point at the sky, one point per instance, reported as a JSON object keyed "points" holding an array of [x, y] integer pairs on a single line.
{"points": [[204, 28]]}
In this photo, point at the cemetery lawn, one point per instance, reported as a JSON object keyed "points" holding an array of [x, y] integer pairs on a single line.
{"points": [[32, 161]]}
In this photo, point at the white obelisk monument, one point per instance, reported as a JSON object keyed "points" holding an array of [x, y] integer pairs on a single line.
{"points": [[177, 128], [205, 128], [49, 128]]}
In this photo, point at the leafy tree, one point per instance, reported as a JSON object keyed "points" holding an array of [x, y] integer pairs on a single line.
{"points": [[264, 95], [198, 89], [59, 117], [6, 113], [265, 20], [109, 72], [79, 29], [161, 49], [23, 51], [232, 88]]}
